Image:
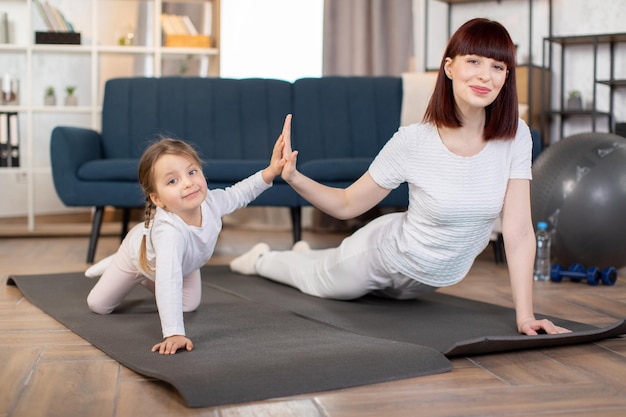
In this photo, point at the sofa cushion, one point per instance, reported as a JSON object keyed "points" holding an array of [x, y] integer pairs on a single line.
{"points": [[231, 170], [344, 117], [224, 118], [122, 169], [336, 169]]}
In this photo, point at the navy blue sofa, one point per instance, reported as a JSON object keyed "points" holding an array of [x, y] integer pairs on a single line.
{"points": [[339, 125]]}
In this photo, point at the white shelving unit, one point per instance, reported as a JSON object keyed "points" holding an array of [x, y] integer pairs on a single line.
{"points": [[28, 190]]}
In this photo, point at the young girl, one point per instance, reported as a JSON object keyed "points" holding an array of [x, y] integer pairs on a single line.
{"points": [[467, 162], [178, 236]]}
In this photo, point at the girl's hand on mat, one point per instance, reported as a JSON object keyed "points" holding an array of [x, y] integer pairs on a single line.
{"points": [[171, 344], [533, 327]]}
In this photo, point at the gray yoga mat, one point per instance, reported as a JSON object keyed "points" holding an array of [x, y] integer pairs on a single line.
{"points": [[255, 339], [243, 350], [452, 325]]}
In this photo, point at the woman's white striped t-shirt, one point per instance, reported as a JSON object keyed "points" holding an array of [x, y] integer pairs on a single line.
{"points": [[453, 200]]}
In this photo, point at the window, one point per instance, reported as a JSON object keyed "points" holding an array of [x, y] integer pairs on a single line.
{"points": [[279, 39]]}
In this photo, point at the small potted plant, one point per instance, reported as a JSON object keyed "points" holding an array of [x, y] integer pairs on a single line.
{"points": [[574, 100], [70, 98], [49, 98]]}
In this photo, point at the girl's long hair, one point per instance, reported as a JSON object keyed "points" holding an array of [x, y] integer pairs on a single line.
{"points": [[490, 39]]}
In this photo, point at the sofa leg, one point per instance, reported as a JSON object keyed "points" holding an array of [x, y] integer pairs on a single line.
{"points": [[498, 249], [125, 221], [296, 223], [96, 224]]}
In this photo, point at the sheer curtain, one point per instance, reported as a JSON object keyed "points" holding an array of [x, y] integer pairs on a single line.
{"points": [[367, 37], [364, 38]]}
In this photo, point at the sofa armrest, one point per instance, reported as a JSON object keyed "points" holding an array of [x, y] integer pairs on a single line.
{"points": [[71, 147]]}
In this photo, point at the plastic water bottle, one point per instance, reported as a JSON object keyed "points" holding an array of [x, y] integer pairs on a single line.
{"points": [[542, 257]]}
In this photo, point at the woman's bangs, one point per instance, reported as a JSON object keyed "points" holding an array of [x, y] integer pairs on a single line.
{"points": [[489, 42]]}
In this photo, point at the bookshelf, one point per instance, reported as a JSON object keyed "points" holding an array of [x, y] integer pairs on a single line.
{"points": [[104, 52]]}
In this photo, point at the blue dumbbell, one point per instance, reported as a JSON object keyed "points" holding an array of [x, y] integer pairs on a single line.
{"points": [[577, 272], [609, 275]]}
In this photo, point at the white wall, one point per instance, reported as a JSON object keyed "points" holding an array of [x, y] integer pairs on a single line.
{"points": [[569, 17]]}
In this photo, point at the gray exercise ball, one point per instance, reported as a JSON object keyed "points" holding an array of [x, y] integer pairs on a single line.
{"points": [[579, 189]]}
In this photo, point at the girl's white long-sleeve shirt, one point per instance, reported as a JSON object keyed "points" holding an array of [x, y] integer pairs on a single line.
{"points": [[176, 249]]}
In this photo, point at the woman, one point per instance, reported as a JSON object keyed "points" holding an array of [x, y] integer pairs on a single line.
{"points": [[467, 162]]}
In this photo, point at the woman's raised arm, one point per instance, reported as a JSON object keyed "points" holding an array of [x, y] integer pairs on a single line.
{"points": [[341, 203]]}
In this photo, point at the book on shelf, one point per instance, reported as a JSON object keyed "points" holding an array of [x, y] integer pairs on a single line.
{"points": [[4, 139], [9, 140], [179, 31], [43, 15], [14, 140], [56, 25], [167, 25], [54, 20], [60, 30], [173, 24], [189, 25], [4, 27]]}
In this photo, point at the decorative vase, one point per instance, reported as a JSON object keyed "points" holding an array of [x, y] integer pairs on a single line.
{"points": [[574, 103], [71, 100]]}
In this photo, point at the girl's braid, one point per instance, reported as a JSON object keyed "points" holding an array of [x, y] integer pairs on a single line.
{"points": [[148, 212], [143, 251]]}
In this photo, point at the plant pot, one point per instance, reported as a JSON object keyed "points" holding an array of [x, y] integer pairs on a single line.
{"points": [[574, 103], [71, 100], [49, 101]]}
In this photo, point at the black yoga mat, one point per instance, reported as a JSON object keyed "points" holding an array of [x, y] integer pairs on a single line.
{"points": [[255, 339], [452, 325], [243, 350]]}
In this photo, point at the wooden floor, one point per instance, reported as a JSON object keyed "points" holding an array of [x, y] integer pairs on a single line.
{"points": [[46, 370]]}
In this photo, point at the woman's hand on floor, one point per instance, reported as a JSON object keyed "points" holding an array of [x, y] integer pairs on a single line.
{"points": [[534, 327]]}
